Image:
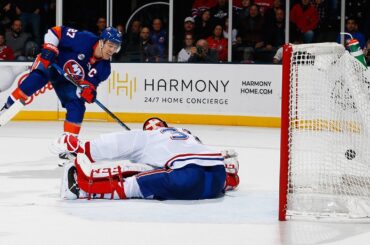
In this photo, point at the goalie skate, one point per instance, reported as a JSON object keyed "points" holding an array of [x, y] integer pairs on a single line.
{"points": [[65, 157], [69, 186]]}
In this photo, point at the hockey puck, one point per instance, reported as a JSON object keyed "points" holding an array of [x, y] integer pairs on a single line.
{"points": [[350, 154]]}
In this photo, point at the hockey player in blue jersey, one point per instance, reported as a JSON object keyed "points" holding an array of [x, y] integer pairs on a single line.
{"points": [[81, 54], [181, 166]]}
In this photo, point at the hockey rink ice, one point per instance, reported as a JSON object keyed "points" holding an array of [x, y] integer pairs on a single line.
{"points": [[31, 211]]}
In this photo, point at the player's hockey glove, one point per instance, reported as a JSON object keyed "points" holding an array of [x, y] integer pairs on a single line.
{"points": [[87, 91], [49, 53], [47, 56]]}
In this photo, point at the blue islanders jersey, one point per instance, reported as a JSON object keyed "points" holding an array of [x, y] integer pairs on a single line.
{"points": [[76, 50]]}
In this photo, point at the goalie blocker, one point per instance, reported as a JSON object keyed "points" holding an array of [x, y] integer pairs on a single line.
{"points": [[176, 174]]}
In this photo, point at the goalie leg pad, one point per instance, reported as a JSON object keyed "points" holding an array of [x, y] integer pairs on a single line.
{"points": [[98, 182], [69, 187]]}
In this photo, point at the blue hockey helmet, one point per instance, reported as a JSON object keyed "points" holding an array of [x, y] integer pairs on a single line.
{"points": [[111, 34]]}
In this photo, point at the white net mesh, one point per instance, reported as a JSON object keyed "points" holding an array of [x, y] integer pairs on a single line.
{"points": [[329, 145]]}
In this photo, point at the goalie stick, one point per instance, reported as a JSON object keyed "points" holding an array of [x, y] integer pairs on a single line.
{"points": [[70, 78]]}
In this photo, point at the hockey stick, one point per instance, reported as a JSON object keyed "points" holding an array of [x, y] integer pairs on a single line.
{"points": [[71, 79], [11, 112]]}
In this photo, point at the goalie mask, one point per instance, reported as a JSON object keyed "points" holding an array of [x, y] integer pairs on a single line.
{"points": [[154, 123]]}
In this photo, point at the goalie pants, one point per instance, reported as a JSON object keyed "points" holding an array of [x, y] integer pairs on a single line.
{"points": [[191, 182]]}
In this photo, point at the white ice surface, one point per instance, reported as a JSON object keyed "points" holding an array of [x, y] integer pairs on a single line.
{"points": [[32, 213]]}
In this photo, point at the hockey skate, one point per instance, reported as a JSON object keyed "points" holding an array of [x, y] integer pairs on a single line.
{"points": [[67, 156], [69, 189], [2, 111]]}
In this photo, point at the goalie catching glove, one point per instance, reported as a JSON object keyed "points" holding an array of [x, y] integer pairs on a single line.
{"points": [[87, 91], [69, 143]]}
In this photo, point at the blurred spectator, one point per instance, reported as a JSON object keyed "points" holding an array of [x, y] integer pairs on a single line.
{"points": [[185, 53], [264, 5], [203, 25], [7, 14], [121, 28], [17, 39], [352, 28], [237, 4], [189, 25], [325, 27], [305, 19], [271, 12], [158, 36], [218, 43], [275, 31], [149, 52], [188, 30], [6, 53], [367, 52], [322, 7], [356, 9], [49, 16], [120, 55], [275, 34], [243, 12], [250, 36], [220, 12], [199, 6], [133, 35], [29, 13], [234, 32], [101, 24], [202, 54], [278, 57], [133, 42]]}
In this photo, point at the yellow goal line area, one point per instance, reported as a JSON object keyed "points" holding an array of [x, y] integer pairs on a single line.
{"points": [[230, 120], [326, 125]]}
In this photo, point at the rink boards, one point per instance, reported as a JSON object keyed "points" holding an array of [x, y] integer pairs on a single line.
{"points": [[225, 94]]}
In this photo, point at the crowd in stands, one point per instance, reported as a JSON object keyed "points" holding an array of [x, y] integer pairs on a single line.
{"points": [[22, 27], [258, 30]]}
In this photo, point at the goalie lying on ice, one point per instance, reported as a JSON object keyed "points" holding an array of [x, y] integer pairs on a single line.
{"points": [[180, 166]]}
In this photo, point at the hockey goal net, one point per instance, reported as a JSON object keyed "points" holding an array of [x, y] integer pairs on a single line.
{"points": [[325, 144]]}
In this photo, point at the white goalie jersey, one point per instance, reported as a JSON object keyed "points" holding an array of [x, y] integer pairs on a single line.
{"points": [[164, 147]]}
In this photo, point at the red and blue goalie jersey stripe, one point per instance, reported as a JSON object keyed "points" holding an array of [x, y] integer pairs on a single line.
{"points": [[205, 159]]}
